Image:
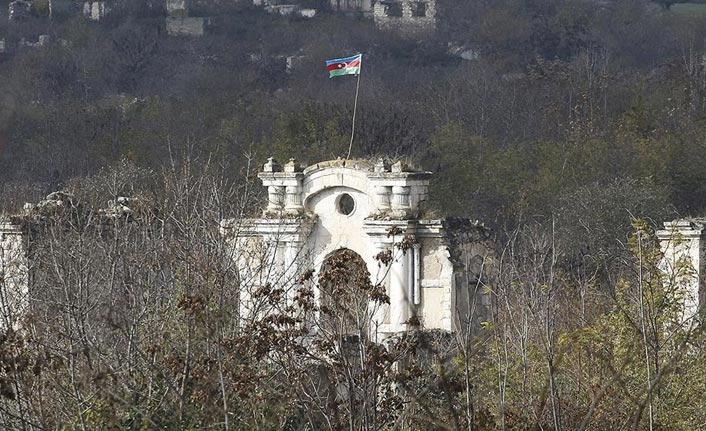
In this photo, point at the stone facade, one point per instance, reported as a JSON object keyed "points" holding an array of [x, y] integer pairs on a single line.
{"points": [[683, 244], [14, 275], [177, 7], [357, 207], [42, 40], [410, 17], [282, 9], [351, 5], [353, 205], [95, 10]]}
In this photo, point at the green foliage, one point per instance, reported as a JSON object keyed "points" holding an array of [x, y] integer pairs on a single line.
{"points": [[688, 9]]}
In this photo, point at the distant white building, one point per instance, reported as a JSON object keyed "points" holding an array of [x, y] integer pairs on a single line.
{"points": [[410, 17], [683, 244], [351, 5], [347, 208], [14, 274]]}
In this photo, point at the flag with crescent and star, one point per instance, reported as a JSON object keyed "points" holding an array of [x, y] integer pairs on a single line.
{"points": [[344, 66]]}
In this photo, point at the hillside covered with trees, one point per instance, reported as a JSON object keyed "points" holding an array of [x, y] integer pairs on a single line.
{"points": [[563, 95], [571, 128]]}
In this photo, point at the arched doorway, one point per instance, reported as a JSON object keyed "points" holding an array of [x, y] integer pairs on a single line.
{"points": [[345, 287]]}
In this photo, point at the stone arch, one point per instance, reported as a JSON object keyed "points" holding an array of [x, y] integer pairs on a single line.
{"points": [[319, 180], [344, 286]]}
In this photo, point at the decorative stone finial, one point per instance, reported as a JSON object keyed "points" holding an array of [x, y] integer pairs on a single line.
{"points": [[272, 165], [382, 166], [399, 167], [292, 166]]}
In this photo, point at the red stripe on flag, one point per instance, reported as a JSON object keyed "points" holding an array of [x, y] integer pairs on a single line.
{"points": [[338, 66]]}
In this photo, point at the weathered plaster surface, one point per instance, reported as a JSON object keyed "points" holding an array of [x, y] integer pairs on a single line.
{"points": [[424, 283]]}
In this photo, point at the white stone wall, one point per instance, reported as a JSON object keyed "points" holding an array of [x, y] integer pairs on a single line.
{"points": [[304, 217], [351, 5], [14, 275], [436, 285], [177, 7], [408, 23], [95, 10], [683, 263]]}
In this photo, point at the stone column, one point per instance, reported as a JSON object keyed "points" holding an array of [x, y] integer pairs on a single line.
{"points": [[275, 198], [292, 258], [293, 202], [400, 200], [417, 270], [382, 197], [431, 9], [406, 10], [14, 275], [399, 292], [382, 310]]}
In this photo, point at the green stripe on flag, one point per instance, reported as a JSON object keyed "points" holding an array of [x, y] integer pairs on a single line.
{"points": [[346, 71]]}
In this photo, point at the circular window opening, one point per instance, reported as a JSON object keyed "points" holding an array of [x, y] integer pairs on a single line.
{"points": [[346, 204]]}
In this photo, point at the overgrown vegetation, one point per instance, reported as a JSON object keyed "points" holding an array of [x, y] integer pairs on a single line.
{"points": [[579, 125], [565, 94], [137, 320]]}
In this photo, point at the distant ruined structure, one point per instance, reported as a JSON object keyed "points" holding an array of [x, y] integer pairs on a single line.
{"points": [[408, 17], [364, 6], [95, 10], [405, 16], [19, 9]]}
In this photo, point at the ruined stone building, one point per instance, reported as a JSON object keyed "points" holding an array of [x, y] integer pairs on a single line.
{"points": [[365, 6], [19, 9], [405, 16], [409, 17], [350, 208]]}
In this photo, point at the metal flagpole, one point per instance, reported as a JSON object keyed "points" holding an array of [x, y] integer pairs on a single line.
{"points": [[355, 109]]}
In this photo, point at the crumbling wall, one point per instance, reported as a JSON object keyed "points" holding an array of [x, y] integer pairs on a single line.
{"points": [[436, 285], [471, 250], [177, 7], [409, 17], [351, 5], [95, 10], [19, 9]]}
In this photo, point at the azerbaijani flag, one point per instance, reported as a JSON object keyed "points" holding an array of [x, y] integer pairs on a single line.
{"points": [[344, 66]]}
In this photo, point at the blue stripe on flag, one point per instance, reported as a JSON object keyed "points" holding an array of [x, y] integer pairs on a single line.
{"points": [[344, 60]]}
